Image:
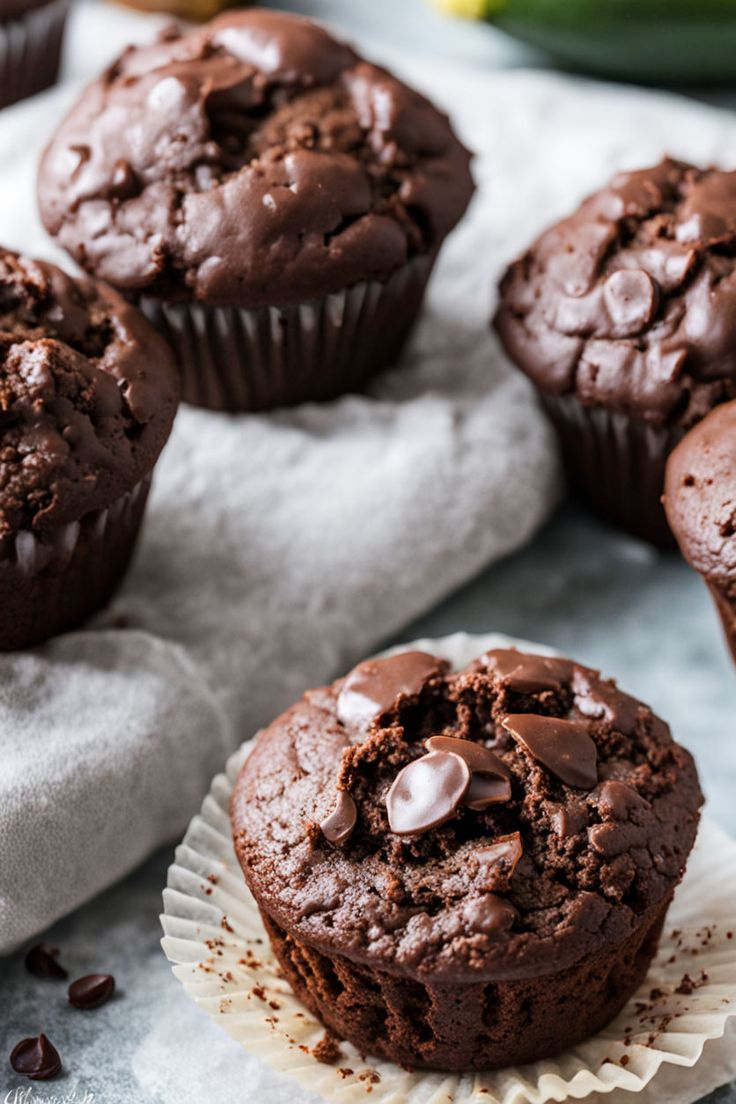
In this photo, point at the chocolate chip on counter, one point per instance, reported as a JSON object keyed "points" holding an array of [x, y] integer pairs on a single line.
{"points": [[564, 747], [36, 1058], [41, 960], [91, 991], [427, 792], [339, 825]]}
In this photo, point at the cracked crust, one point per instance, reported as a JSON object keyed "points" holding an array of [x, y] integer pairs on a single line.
{"points": [[595, 863], [87, 396], [630, 303], [700, 497], [249, 162]]}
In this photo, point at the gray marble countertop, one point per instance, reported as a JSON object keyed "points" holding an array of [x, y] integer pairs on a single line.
{"points": [[639, 616]]}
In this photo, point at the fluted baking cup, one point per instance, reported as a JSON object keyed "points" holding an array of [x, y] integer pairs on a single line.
{"points": [[51, 584], [615, 463], [215, 939], [248, 360], [30, 50]]}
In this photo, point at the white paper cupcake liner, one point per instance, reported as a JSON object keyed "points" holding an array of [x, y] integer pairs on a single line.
{"points": [[221, 955]]}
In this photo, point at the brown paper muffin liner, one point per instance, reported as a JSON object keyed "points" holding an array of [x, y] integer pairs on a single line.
{"points": [[30, 51], [234, 359], [221, 953], [51, 585], [615, 463]]}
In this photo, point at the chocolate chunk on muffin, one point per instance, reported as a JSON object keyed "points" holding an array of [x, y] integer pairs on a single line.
{"points": [[624, 317], [87, 399], [31, 37], [273, 202], [476, 875], [700, 500]]}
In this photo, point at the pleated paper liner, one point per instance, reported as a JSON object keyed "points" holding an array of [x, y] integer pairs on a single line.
{"points": [[215, 939], [30, 50]]}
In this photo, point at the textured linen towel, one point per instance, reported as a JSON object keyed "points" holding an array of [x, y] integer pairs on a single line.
{"points": [[277, 550]]}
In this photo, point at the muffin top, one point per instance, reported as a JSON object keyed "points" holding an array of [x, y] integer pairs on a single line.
{"points": [[500, 822], [700, 496], [630, 303], [251, 161], [87, 396]]}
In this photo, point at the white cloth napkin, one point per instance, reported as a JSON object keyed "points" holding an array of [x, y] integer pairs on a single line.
{"points": [[277, 550]]}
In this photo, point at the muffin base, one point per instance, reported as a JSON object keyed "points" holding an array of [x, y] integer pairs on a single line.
{"points": [[469, 1026], [50, 586], [234, 359], [615, 464], [30, 51]]}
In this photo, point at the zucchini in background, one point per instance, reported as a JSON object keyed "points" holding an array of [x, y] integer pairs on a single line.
{"points": [[643, 40]]}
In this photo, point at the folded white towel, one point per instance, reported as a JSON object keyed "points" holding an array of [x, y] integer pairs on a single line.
{"points": [[277, 550]]}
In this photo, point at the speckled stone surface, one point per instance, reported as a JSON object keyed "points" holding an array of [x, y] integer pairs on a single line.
{"points": [[609, 601]]}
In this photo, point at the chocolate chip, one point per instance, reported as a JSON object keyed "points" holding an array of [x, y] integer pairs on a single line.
{"points": [[490, 782], [564, 747], [91, 991], [529, 674], [427, 792], [374, 686], [500, 859], [339, 825], [490, 914], [36, 1058], [631, 297], [41, 961]]}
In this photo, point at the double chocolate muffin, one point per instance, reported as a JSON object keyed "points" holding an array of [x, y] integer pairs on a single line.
{"points": [[700, 500], [624, 316], [31, 35], [87, 399], [465, 870], [274, 204]]}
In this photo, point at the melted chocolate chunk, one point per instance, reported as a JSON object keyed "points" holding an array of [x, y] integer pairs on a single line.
{"points": [[491, 779], [338, 826], [485, 790], [528, 674], [427, 792], [375, 685], [36, 1058], [564, 747], [499, 860], [41, 961], [490, 914], [91, 991]]}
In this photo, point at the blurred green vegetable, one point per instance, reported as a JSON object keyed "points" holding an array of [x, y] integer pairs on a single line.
{"points": [[645, 40]]}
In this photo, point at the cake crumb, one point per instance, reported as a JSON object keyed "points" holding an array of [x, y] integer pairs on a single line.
{"points": [[327, 1050]]}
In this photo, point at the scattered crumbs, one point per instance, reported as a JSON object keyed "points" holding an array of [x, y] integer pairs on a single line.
{"points": [[624, 1060], [344, 1073], [205, 967], [272, 1020], [729, 935], [656, 994], [304, 1049], [224, 924], [213, 879], [260, 992], [275, 1005], [327, 1050], [207, 889], [688, 985], [370, 1076], [627, 1040], [225, 1004], [671, 959], [250, 961], [298, 1015], [675, 933], [227, 976]]}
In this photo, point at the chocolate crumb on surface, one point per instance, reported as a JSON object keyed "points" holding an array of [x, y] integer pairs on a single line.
{"points": [[327, 1050]]}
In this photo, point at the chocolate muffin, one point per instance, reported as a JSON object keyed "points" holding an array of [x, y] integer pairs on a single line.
{"points": [[465, 870], [87, 400], [700, 500], [624, 316], [31, 36], [274, 203]]}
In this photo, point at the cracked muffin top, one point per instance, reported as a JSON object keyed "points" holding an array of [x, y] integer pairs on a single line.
{"points": [[251, 161], [88, 394], [630, 303], [700, 497], [498, 822]]}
